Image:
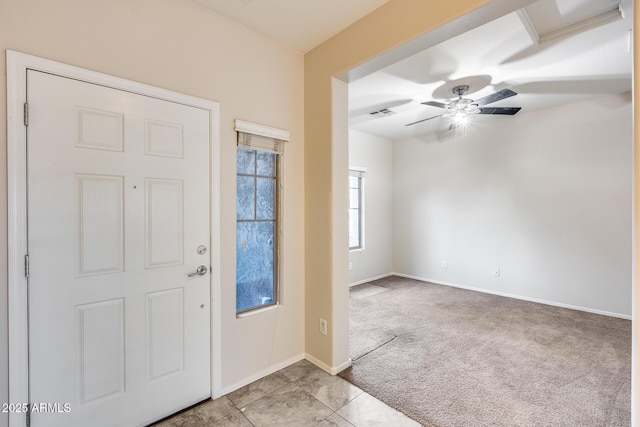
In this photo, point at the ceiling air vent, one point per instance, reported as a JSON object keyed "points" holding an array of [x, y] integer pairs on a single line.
{"points": [[382, 112]]}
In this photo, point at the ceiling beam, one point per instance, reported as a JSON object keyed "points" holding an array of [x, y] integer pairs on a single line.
{"points": [[569, 30]]}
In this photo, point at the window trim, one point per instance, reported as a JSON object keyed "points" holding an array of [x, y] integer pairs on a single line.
{"points": [[262, 138], [262, 130]]}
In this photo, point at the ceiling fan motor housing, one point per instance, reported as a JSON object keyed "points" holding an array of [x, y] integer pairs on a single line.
{"points": [[460, 90], [462, 105]]}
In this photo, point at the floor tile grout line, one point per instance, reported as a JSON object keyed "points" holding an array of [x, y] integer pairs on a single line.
{"points": [[335, 412], [261, 379], [301, 389], [239, 410]]}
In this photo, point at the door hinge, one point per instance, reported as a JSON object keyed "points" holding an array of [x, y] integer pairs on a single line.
{"points": [[26, 114], [26, 266]]}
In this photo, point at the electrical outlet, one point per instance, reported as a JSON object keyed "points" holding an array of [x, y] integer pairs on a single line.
{"points": [[323, 327], [350, 266], [444, 265], [496, 272]]}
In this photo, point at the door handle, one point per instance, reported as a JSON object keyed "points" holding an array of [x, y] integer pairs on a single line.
{"points": [[200, 271]]}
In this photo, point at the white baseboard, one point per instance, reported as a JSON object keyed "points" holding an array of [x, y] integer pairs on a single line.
{"points": [[282, 365], [520, 297], [270, 370], [328, 369], [360, 282]]}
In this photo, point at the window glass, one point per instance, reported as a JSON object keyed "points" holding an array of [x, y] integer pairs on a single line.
{"points": [[256, 243], [266, 164], [246, 197], [246, 161], [266, 198]]}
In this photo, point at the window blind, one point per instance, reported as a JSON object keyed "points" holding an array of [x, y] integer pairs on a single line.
{"points": [[260, 137], [262, 143]]}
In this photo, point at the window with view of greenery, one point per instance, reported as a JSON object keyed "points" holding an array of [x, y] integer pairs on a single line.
{"points": [[257, 229]]}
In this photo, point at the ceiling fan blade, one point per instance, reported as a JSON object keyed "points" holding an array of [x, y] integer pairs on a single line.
{"points": [[423, 120], [435, 104], [505, 111], [495, 97]]}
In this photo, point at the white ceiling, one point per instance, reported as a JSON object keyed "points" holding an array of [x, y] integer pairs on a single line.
{"points": [[300, 24], [552, 52]]}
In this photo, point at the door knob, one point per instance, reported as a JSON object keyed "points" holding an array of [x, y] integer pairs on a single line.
{"points": [[200, 271]]}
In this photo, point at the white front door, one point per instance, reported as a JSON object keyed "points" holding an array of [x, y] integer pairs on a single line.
{"points": [[118, 217]]}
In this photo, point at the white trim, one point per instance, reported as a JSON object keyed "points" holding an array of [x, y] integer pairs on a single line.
{"points": [[528, 25], [17, 237], [357, 169], [261, 309], [519, 297], [17, 66], [612, 15], [262, 374], [328, 369], [216, 254], [362, 282], [341, 367], [262, 130], [579, 27]]}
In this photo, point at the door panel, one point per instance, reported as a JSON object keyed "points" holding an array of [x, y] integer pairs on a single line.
{"points": [[118, 201], [100, 350], [99, 224], [164, 224], [165, 334]]}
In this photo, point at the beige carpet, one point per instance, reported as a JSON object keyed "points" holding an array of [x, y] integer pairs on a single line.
{"points": [[450, 357]]}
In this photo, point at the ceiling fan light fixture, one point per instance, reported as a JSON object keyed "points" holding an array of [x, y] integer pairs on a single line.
{"points": [[472, 109], [460, 118], [459, 109]]}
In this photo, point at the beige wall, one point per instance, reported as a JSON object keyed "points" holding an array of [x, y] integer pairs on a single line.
{"points": [[180, 46]]}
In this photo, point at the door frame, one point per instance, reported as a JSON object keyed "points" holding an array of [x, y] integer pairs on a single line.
{"points": [[17, 66]]}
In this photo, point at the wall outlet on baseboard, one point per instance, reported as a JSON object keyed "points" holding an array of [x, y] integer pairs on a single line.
{"points": [[350, 266], [496, 272], [323, 327], [444, 265]]}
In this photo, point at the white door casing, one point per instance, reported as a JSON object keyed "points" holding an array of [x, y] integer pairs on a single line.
{"points": [[131, 285]]}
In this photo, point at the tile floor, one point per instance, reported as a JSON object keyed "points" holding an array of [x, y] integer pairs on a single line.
{"points": [[300, 395]]}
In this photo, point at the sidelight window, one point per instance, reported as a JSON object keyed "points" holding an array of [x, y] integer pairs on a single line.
{"points": [[257, 227], [356, 209]]}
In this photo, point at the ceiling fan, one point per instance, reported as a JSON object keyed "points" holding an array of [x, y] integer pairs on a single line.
{"points": [[459, 109]]}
